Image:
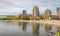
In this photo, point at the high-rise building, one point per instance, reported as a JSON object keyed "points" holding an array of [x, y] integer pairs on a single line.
{"points": [[24, 14], [35, 11], [47, 14], [58, 11]]}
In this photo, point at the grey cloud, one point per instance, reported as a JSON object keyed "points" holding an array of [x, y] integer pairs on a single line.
{"points": [[28, 4]]}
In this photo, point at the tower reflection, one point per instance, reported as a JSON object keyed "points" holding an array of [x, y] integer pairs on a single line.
{"points": [[35, 29], [24, 26], [58, 28], [48, 27]]}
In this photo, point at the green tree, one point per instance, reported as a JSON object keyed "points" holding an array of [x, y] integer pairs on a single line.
{"points": [[42, 17], [18, 17]]}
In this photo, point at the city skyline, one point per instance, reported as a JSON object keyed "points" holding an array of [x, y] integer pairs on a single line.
{"points": [[14, 7]]}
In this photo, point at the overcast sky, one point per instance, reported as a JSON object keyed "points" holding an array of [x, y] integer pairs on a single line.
{"points": [[14, 7]]}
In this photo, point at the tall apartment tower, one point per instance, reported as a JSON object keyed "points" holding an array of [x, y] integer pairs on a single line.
{"points": [[35, 11], [24, 14], [58, 12], [47, 14]]}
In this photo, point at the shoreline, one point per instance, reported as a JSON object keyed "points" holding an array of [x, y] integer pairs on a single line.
{"points": [[51, 22]]}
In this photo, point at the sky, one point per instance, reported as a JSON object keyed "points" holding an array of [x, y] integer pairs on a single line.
{"points": [[15, 7]]}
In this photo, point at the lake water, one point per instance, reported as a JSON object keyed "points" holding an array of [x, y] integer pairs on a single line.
{"points": [[8, 28]]}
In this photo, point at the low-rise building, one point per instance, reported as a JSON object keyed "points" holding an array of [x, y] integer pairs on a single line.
{"points": [[54, 17]]}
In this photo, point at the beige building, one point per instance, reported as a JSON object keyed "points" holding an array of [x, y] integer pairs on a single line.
{"points": [[58, 12], [47, 14], [35, 12], [54, 17]]}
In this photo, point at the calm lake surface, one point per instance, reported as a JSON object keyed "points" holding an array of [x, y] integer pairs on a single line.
{"points": [[8, 28]]}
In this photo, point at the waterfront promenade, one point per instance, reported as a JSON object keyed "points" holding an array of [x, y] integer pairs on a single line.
{"points": [[52, 22]]}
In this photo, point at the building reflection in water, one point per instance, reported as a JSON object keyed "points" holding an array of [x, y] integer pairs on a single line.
{"points": [[58, 28], [48, 27], [35, 29], [24, 26]]}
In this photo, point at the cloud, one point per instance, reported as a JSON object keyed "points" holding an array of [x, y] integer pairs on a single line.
{"points": [[13, 6]]}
